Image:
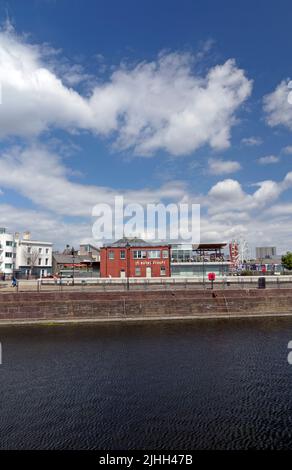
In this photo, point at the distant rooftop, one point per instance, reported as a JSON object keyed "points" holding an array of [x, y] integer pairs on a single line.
{"points": [[134, 241]]}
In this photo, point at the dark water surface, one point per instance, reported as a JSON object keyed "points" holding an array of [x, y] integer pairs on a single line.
{"points": [[207, 384]]}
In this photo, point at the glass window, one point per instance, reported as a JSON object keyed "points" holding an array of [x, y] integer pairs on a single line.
{"points": [[8, 266], [162, 271], [40, 261], [40, 250], [47, 261], [154, 254], [47, 250], [137, 271], [8, 243], [28, 261], [123, 254], [111, 255], [29, 249], [8, 255], [164, 253], [138, 254]]}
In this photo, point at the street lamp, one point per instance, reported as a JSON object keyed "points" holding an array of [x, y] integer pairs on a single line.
{"points": [[128, 265], [73, 254]]}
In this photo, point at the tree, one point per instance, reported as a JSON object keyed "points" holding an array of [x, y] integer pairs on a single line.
{"points": [[287, 260], [31, 258]]}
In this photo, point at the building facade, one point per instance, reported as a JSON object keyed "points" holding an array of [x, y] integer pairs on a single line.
{"points": [[7, 253], [90, 251], [265, 252], [33, 257], [133, 257], [199, 261]]}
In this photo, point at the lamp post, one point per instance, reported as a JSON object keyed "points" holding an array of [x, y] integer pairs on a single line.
{"points": [[73, 254], [128, 265], [203, 269]]}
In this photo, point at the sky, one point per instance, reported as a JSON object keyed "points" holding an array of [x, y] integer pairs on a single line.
{"points": [[158, 101]]}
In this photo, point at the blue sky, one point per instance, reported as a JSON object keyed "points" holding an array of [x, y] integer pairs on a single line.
{"points": [[156, 100]]}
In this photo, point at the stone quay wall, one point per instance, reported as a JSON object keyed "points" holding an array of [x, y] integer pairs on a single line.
{"points": [[108, 306]]}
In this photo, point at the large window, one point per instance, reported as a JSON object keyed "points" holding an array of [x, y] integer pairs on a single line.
{"points": [[164, 253], [8, 255], [138, 254], [123, 254], [111, 255], [8, 266], [154, 254], [8, 243]]}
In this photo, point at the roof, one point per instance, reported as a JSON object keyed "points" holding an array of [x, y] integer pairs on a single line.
{"points": [[209, 246], [60, 258], [135, 241], [89, 244]]}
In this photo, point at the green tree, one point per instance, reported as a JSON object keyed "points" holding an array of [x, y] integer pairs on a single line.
{"points": [[287, 260]]}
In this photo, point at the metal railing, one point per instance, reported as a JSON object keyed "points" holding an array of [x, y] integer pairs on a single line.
{"points": [[172, 283]]}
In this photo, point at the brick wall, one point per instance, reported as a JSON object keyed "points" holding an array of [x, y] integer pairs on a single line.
{"points": [[111, 305]]}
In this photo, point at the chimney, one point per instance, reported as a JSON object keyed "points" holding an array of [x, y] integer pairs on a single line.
{"points": [[26, 236]]}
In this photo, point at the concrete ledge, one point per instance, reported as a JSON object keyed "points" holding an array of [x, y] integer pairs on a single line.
{"points": [[64, 321]]}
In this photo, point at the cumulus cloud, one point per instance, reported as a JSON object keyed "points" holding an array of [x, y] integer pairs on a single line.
{"points": [[158, 105], [278, 105], [222, 167], [268, 160]]}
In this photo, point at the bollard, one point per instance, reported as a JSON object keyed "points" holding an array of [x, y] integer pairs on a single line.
{"points": [[261, 282]]}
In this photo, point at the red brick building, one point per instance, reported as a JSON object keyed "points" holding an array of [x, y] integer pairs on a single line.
{"points": [[133, 257]]}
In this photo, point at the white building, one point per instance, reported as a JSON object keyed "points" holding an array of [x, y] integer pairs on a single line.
{"points": [[7, 252], [33, 256], [23, 255]]}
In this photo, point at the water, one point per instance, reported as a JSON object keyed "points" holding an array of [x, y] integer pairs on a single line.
{"points": [[200, 385]]}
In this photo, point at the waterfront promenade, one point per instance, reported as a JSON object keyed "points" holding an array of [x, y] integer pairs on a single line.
{"points": [[118, 284]]}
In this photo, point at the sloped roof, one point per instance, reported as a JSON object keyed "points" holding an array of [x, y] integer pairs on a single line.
{"points": [[126, 241]]}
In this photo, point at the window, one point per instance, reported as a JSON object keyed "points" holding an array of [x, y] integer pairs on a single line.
{"points": [[8, 266], [40, 261], [40, 250], [162, 271], [47, 250], [29, 249], [46, 261], [111, 255], [154, 254], [8, 243], [122, 254], [164, 253], [28, 261], [138, 254], [137, 271], [8, 255]]}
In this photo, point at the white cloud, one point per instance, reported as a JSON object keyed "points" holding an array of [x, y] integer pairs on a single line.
{"points": [[251, 141], [40, 176], [45, 226], [268, 160], [287, 150], [223, 167], [159, 105], [278, 106]]}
